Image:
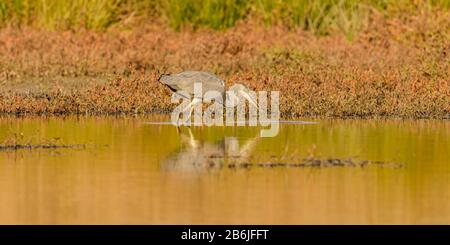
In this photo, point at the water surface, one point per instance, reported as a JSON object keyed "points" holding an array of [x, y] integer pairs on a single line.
{"points": [[134, 172]]}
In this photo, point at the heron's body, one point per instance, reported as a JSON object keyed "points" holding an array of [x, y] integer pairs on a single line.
{"points": [[184, 81], [183, 84]]}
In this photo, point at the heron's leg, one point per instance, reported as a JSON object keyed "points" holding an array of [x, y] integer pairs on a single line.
{"points": [[190, 115], [192, 105], [187, 107]]}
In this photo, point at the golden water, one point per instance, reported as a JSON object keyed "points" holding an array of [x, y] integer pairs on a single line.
{"points": [[132, 172]]}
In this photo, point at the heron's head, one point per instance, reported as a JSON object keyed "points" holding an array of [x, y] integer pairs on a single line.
{"points": [[240, 91], [237, 87], [162, 76]]}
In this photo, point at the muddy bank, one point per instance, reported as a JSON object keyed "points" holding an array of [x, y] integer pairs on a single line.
{"points": [[38, 146], [317, 163]]}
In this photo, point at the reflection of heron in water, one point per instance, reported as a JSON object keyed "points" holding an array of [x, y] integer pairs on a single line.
{"points": [[197, 156]]}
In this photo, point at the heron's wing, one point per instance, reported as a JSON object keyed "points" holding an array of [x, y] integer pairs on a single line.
{"points": [[185, 81], [203, 76]]}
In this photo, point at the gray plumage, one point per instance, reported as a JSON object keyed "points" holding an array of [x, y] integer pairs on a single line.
{"points": [[184, 81]]}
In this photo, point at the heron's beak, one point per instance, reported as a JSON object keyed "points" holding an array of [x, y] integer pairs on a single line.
{"points": [[161, 73], [249, 98]]}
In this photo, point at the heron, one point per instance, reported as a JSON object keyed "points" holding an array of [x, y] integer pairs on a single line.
{"points": [[184, 82]]}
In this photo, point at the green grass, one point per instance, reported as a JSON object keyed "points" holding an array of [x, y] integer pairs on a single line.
{"points": [[60, 14], [217, 14], [319, 16]]}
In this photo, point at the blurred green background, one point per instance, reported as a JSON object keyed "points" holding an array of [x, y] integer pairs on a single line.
{"points": [[320, 17]]}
